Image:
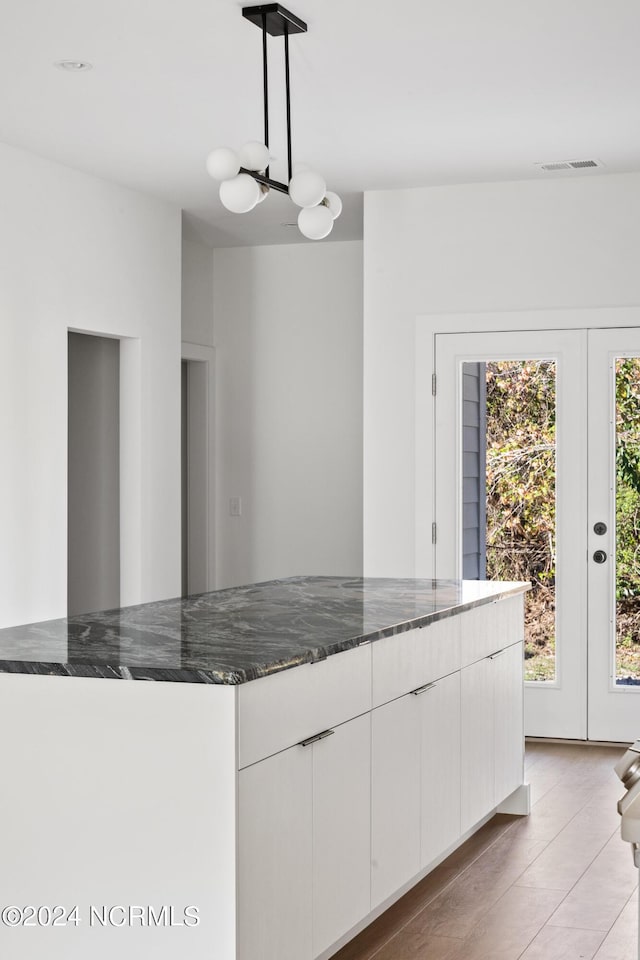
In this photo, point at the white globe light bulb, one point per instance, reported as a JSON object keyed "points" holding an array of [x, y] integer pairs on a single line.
{"points": [[254, 155], [315, 223], [223, 163], [240, 194], [334, 203], [307, 188]]}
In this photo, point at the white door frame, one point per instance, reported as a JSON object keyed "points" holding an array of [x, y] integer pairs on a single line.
{"points": [[555, 708], [207, 356], [130, 428], [427, 326]]}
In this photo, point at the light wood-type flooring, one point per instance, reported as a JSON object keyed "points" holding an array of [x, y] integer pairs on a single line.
{"points": [[557, 885]]}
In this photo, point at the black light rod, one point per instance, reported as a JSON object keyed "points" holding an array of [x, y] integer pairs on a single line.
{"points": [[288, 89], [265, 82], [263, 178]]}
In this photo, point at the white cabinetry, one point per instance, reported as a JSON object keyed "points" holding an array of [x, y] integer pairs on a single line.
{"points": [[408, 660], [277, 711], [478, 751], [407, 743], [439, 768], [303, 807], [492, 732], [304, 845], [508, 687], [395, 796], [275, 857], [415, 783], [341, 831]]}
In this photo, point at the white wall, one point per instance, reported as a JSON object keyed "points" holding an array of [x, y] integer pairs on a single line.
{"points": [[478, 248], [77, 252], [197, 290], [288, 338]]}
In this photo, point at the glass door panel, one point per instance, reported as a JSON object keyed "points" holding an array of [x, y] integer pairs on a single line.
{"points": [[627, 496], [533, 484], [520, 484]]}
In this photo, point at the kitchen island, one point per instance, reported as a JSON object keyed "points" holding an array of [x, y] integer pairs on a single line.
{"points": [[307, 749]]}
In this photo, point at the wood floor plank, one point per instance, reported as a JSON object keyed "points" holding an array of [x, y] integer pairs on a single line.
{"points": [[621, 943], [457, 911], [502, 932], [545, 779], [564, 943], [591, 912], [507, 929], [397, 916], [553, 885], [563, 862], [551, 814], [414, 944], [597, 899], [561, 865]]}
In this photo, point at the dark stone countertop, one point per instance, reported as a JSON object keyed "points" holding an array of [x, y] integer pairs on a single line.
{"points": [[241, 633]]}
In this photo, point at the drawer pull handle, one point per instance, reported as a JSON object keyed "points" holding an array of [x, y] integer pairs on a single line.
{"points": [[419, 690], [318, 736]]}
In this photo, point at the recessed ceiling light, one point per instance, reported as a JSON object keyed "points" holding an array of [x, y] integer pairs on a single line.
{"points": [[74, 66]]}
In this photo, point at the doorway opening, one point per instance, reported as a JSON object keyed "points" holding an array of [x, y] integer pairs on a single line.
{"points": [[578, 529], [194, 466], [93, 485]]}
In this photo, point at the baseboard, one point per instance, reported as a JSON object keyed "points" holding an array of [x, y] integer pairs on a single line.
{"points": [[577, 743], [518, 803]]}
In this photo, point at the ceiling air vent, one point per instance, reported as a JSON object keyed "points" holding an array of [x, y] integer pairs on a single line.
{"points": [[570, 165], [582, 164]]}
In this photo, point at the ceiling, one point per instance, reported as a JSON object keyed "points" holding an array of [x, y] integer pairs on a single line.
{"points": [[402, 94]]}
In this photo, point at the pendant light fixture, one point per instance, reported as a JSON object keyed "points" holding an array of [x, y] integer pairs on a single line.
{"points": [[245, 172]]}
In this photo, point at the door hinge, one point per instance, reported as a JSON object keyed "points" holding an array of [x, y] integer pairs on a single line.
{"points": [[433, 384], [433, 533]]}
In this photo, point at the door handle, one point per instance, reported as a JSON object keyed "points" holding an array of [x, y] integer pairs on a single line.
{"points": [[600, 556]]}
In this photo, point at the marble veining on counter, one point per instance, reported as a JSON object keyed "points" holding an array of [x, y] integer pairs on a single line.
{"points": [[241, 633]]}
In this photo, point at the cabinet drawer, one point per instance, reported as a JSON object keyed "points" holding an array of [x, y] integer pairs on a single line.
{"points": [[409, 660], [277, 711], [491, 627]]}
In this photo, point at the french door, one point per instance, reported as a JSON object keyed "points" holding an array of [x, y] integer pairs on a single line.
{"points": [[541, 429]]}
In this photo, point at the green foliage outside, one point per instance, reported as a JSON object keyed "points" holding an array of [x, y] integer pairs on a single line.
{"points": [[521, 506], [521, 515], [628, 517]]}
